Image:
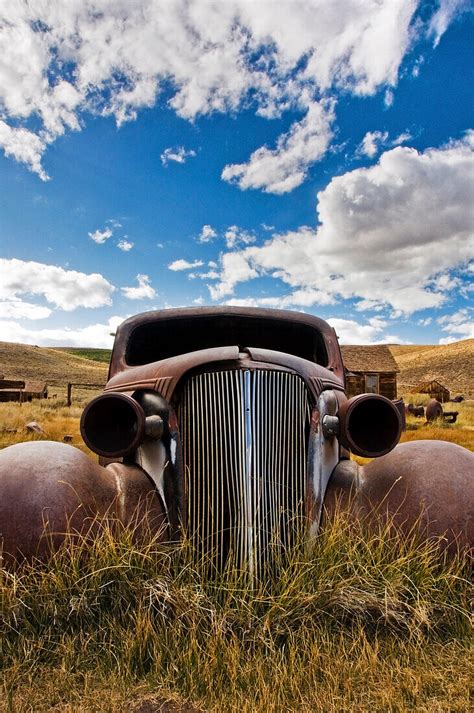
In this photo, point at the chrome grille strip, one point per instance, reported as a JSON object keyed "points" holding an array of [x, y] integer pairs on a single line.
{"points": [[244, 449]]}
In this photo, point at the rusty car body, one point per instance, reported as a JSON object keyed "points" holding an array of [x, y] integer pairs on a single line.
{"points": [[232, 425]]}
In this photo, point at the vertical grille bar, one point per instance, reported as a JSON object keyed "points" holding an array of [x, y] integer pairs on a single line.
{"points": [[244, 437]]}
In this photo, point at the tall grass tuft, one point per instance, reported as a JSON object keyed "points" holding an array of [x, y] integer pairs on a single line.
{"points": [[359, 619]]}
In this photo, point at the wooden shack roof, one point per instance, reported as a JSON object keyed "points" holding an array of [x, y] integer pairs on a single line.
{"points": [[35, 387], [427, 386], [369, 358]]}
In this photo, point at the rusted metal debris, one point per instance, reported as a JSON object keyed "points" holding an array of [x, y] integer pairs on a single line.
{"points": [[434, 411], [417, 411]]}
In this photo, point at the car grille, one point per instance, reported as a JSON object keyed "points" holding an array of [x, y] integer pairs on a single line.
{"points": [[244, 436]]}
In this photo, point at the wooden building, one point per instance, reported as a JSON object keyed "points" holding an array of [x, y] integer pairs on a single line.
{"points": [[35, 390], [434, 389], [370, 369], [16, 390]]}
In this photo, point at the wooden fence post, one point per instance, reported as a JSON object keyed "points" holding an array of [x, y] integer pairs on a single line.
{"points": [[69, 394]]}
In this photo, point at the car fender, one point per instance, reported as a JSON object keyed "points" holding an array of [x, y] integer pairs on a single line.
{"points": [[49, 488], [426, 483]]}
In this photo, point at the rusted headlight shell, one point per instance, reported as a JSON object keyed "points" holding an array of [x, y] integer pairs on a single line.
{"points": [[113, 425], [369, 425]]}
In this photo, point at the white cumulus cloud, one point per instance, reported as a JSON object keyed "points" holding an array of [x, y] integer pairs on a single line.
{"points": [[101, 236], [64, 61], [236, 237], [19, 309], [65, 289], [125, 245], [144, 291], [94, 335], [384, 233], [235, 268], [207, 234], [351, 332]]}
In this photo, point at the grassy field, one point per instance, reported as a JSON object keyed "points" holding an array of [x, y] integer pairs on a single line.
{"points": [[461, 432], [53, 415], [364, 622]]}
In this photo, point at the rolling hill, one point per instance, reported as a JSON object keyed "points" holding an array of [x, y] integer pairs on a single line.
{"points": [[56, 367], [451, 364]]}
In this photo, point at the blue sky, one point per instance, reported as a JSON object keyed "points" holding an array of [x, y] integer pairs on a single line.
{"points": [[312, 155]]}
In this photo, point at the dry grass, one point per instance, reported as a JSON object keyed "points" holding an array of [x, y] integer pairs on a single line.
{"points": [[352, 673], [461, 432], [56, 419], [450, 364], [362, 622], [57, 368]]}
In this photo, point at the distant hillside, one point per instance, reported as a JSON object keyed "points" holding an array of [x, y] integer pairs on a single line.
{"points": [[450, 364], [22, 361], [102, 355]]}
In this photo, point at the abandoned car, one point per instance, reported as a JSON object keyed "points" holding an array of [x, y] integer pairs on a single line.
{"points": [[231, 424]]}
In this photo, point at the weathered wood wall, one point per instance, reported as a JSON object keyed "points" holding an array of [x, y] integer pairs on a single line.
{"points": [[387, 384]]}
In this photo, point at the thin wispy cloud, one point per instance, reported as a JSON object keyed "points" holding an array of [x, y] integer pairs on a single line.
{"points": [[125, 245], [374, 141], [177, 155], [285, 167], [179, 265], [459, 325]]}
